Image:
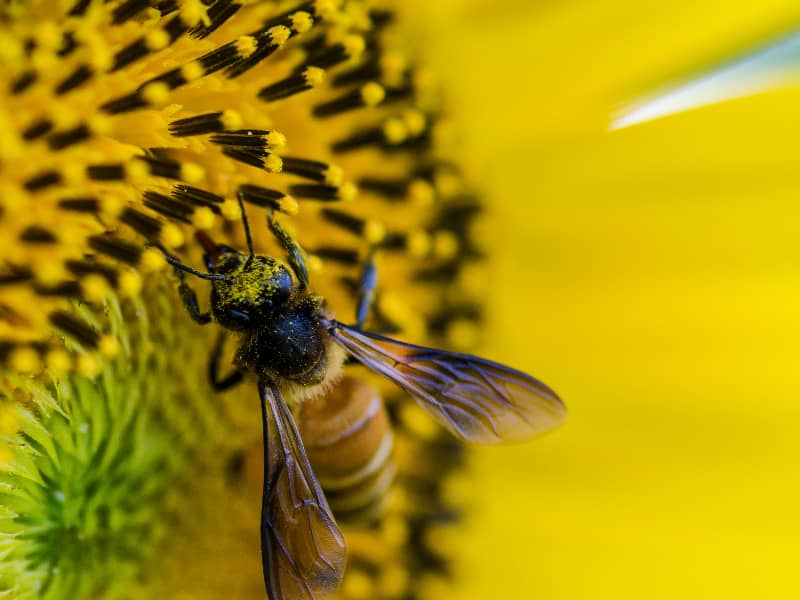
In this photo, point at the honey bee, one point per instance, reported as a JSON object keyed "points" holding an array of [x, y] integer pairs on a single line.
{"points": [[295, 348]]}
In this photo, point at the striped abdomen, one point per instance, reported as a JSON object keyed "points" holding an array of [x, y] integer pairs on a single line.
{"points": [[349, 443]]}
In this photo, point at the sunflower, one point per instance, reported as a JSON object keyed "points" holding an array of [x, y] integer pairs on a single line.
{"points": [[129, 126]]}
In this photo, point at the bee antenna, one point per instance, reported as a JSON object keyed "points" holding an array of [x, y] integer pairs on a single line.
{"points": [[186, 268], [247, 233]]}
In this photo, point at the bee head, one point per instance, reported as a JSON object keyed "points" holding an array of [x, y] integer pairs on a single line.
{"points": [[254, 287]]}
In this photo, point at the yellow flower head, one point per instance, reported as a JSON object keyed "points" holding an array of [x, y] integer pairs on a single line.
{"points": [[129, 126]]}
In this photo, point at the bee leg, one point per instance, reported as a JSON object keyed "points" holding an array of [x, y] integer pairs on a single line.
{"points": [[189, 298], [224, 383], [296, 255], [367, 283]]}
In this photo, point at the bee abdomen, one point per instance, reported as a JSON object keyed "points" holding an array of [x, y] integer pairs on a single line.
{"points": [[349, 443]]}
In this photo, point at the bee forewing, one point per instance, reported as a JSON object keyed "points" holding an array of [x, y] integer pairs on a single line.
{"points": [[303, 551], [475, 399]]}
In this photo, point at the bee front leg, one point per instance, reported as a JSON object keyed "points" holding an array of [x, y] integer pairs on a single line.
{"points": [[189, 298], [230, 380], [188, 295], [296, 255]]}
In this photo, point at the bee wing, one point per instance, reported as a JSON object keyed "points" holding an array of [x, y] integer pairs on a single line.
{"points": [[475, 399], [303, 551]]}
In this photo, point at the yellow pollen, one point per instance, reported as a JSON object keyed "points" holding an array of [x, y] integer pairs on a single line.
{"points": [[418, 243], [58, 361], [192, 71], [152, 260], [326, 9], [192, 172], [421, 193], [334, 175], [108, 346], [193, 12], [25, 360], [314, 76], [348, 191], [276, 140], [231, 119], [273, 163], [395, 131], [415, 121], [246, 45], [95, 288], [288, 205], [372, 93], [392, 62], [88, 365], [50, 273], [100, 58], [136, 171], [354, 45], [445, 244], [130, 283], [374, 231], [203, 218], [447, 184], [48, 35], [156, 39], [230, 210], [301, 21], [156, 93], [172, 236], [100, 124], [279, 34]]}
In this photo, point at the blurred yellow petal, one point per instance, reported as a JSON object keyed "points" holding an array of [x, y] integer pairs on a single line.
{"points": [[652, 274]]}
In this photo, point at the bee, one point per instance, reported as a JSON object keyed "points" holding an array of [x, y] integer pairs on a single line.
{"points": [[295, 347]]}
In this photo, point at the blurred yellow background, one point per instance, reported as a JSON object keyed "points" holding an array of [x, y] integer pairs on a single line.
{"points": [[651, 275]]}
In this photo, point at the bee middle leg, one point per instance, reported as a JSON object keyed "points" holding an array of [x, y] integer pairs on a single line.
{"points": [[221, 384], [367, 283]]}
